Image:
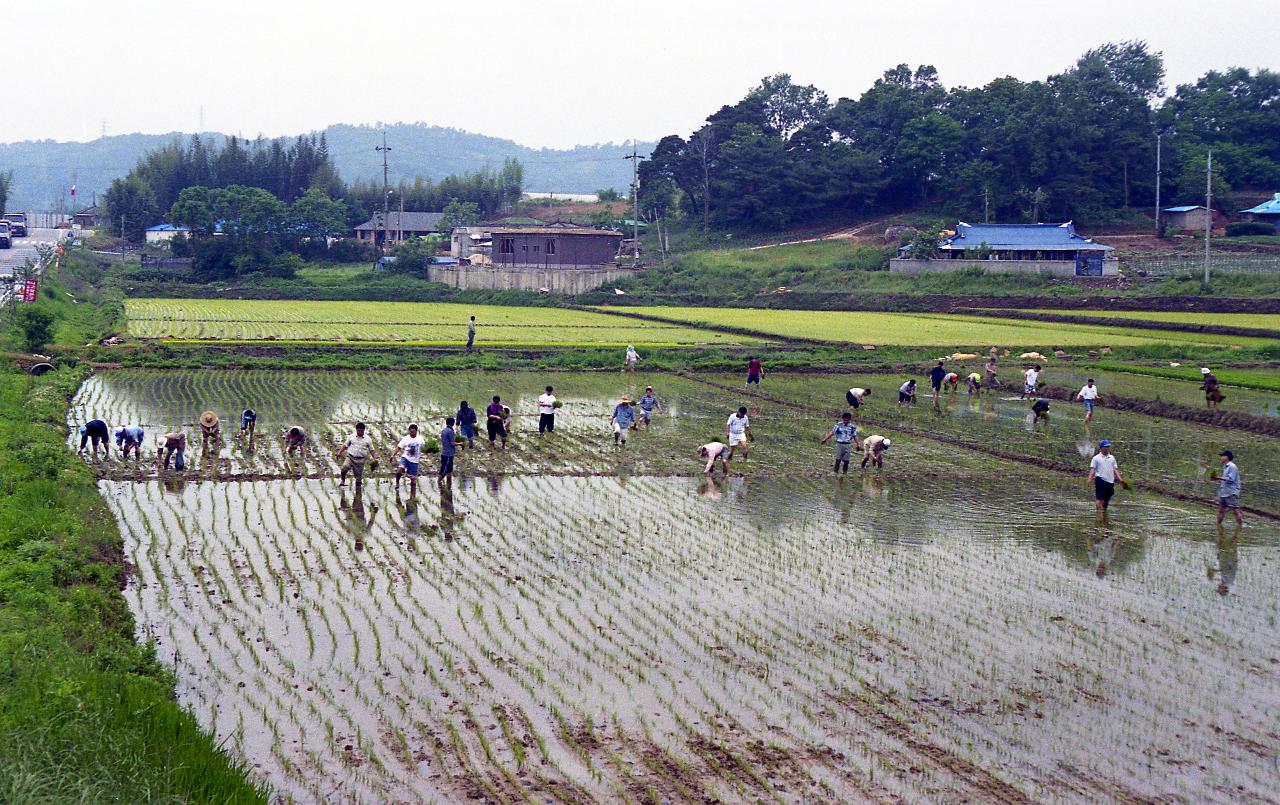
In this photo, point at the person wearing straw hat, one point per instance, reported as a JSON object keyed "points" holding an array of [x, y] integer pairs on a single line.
{"points": [[1212, 387], [622, 420], [210, 430]]}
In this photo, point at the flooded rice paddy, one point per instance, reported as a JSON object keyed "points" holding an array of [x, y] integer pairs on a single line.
{"points": [[576, 622]]}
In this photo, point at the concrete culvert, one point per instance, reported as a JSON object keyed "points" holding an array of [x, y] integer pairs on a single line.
{"points": [[40, 368]]}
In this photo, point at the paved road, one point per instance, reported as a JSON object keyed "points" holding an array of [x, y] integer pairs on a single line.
{"points": [[23, 249]]}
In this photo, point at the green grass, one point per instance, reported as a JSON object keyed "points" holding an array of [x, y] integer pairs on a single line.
{"points": [[940, 330], [333, 274], [1264, 379], [1267, 321], [408, 322], [86, 714]]}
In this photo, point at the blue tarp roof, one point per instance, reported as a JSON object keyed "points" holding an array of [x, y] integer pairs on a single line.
{"points": [[1020, 237], [166, 228], [1271, 207]]}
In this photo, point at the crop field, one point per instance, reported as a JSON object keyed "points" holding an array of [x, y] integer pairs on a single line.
{"points": [[928, 329], [579, 622], [414, 322], [1262, 321]]}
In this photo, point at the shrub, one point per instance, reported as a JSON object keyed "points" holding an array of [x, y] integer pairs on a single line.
{"points": [[36, 325], [1241, 229]]}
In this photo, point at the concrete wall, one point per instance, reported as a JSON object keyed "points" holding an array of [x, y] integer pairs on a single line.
{"points": [[563, 280], [1058, 268]]}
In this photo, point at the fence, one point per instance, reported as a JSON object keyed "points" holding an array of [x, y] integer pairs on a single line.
{"points": [[1219, 263]]}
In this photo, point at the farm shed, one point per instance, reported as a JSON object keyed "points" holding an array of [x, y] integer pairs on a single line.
{"points": [[400, 226], [554, 247], [1268, 211], [1193, 217], [1052, 248]]}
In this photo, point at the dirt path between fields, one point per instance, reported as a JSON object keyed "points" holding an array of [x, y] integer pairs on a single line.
{"points": [[848, 233]]}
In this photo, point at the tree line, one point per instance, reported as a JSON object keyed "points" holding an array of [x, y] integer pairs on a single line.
{"points": [[288, 171], [1078, 145]]}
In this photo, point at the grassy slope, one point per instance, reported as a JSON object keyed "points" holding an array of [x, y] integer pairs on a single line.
{"points": [[86, 714]]}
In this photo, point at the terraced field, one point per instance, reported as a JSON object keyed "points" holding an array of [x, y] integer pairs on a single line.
{"points": [[412, 322], [1262, 321], [921, 329], [576, 622]]}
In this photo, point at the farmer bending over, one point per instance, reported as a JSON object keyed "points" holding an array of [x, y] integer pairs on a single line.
{"points": [[713, 452], [210, 430], [874, 448], [95, 431], [295, 440], [130, 438]]}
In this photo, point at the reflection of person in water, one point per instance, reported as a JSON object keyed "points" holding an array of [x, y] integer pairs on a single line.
{"points": [[359, 520], [1102, 552], [410, 520], [448, 514], [711, 488], [1228, 558], [495, 483]]}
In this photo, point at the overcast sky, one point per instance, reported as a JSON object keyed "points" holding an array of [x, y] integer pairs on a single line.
{"points": [[546, 73]]}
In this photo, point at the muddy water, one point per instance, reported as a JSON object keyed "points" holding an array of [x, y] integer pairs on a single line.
{"points": [[606, 637]]}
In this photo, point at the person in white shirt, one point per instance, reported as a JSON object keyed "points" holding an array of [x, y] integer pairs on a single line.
{"points": [[1104, 473], [873, 449], [357, 449], [738, 430], [547, 412], [1089, 395], [855, 397], [713, 452], [409, 451], [1029, 379]]}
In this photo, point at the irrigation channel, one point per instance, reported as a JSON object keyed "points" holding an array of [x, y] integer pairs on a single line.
{"points": [[578, 622]]}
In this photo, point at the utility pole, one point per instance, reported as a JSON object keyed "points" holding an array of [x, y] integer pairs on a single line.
{"points": [[1159, 138], [382, 245], [635, 158], [986, 204], [1208, 213]]}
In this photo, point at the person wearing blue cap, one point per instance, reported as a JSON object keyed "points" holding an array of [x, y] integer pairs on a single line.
{"points": [[1103, 474]]}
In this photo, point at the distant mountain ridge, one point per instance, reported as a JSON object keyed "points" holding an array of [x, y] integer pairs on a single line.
{"points": [[44, 170]]}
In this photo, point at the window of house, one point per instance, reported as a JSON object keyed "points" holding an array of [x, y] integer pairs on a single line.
{"points": [[507, 246], [535, 248], [551, 246]]}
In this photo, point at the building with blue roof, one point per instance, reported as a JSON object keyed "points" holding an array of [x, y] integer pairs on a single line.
{"points": [[1049, 248], [1193, 217], [1268, 211]]}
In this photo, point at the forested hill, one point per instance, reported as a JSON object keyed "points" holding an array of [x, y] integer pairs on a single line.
{"points": [[43, 169]]}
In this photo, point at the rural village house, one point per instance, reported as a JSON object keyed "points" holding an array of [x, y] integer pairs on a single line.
{"points": [[1268, 211], [1051, 248], [554, 246], [400, 226]]}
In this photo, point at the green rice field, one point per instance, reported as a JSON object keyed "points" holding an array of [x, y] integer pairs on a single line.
{"points": [[409, 322], [1262, 321], [920, 329], [580, 622]]}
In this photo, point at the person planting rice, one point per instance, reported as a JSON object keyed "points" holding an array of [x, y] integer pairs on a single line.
{"points": [[1104, 473], [873, 449], [447, 451], [295, 441], [466, 420], [1212, 388], [173, 446], [357, 449], [547, 412], [855, 397], [648, 404], [632, 359], [1029, 380], [989, 370], [907, 393], [95, 431], [755, 371], [130, 439], [846, 435], [210, 430], [1040, 409], [952, 381], [936, 375], [713, 452], [248, 422], [738, 430], [973, 383], [409, 452], [494, 421], [622, 420], [1088, 394], [1228, 487]]}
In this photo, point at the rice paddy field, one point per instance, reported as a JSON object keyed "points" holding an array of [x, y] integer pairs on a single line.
{"points": [[930, 329], [1261, 321], [412, 322], [578, 622]]}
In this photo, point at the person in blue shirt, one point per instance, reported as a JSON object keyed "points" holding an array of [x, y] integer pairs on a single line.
{"points": [[95, 431], [130, 439], [624, 417], [1228, 487], [846, 435], [466, 419], [936, 375], [648, 403], [448, 448]]}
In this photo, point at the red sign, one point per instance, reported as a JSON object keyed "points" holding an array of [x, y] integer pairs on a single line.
{"points": [[29, 289]]}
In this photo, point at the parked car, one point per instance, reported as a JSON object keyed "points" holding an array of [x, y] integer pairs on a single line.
{"points": [[17, 223], [6, 235]]}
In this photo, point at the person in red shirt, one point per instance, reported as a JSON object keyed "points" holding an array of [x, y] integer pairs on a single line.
{"points": [[755, 371]]}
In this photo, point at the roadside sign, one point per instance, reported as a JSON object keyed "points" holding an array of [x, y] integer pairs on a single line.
{"points": [[29, 289]]}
